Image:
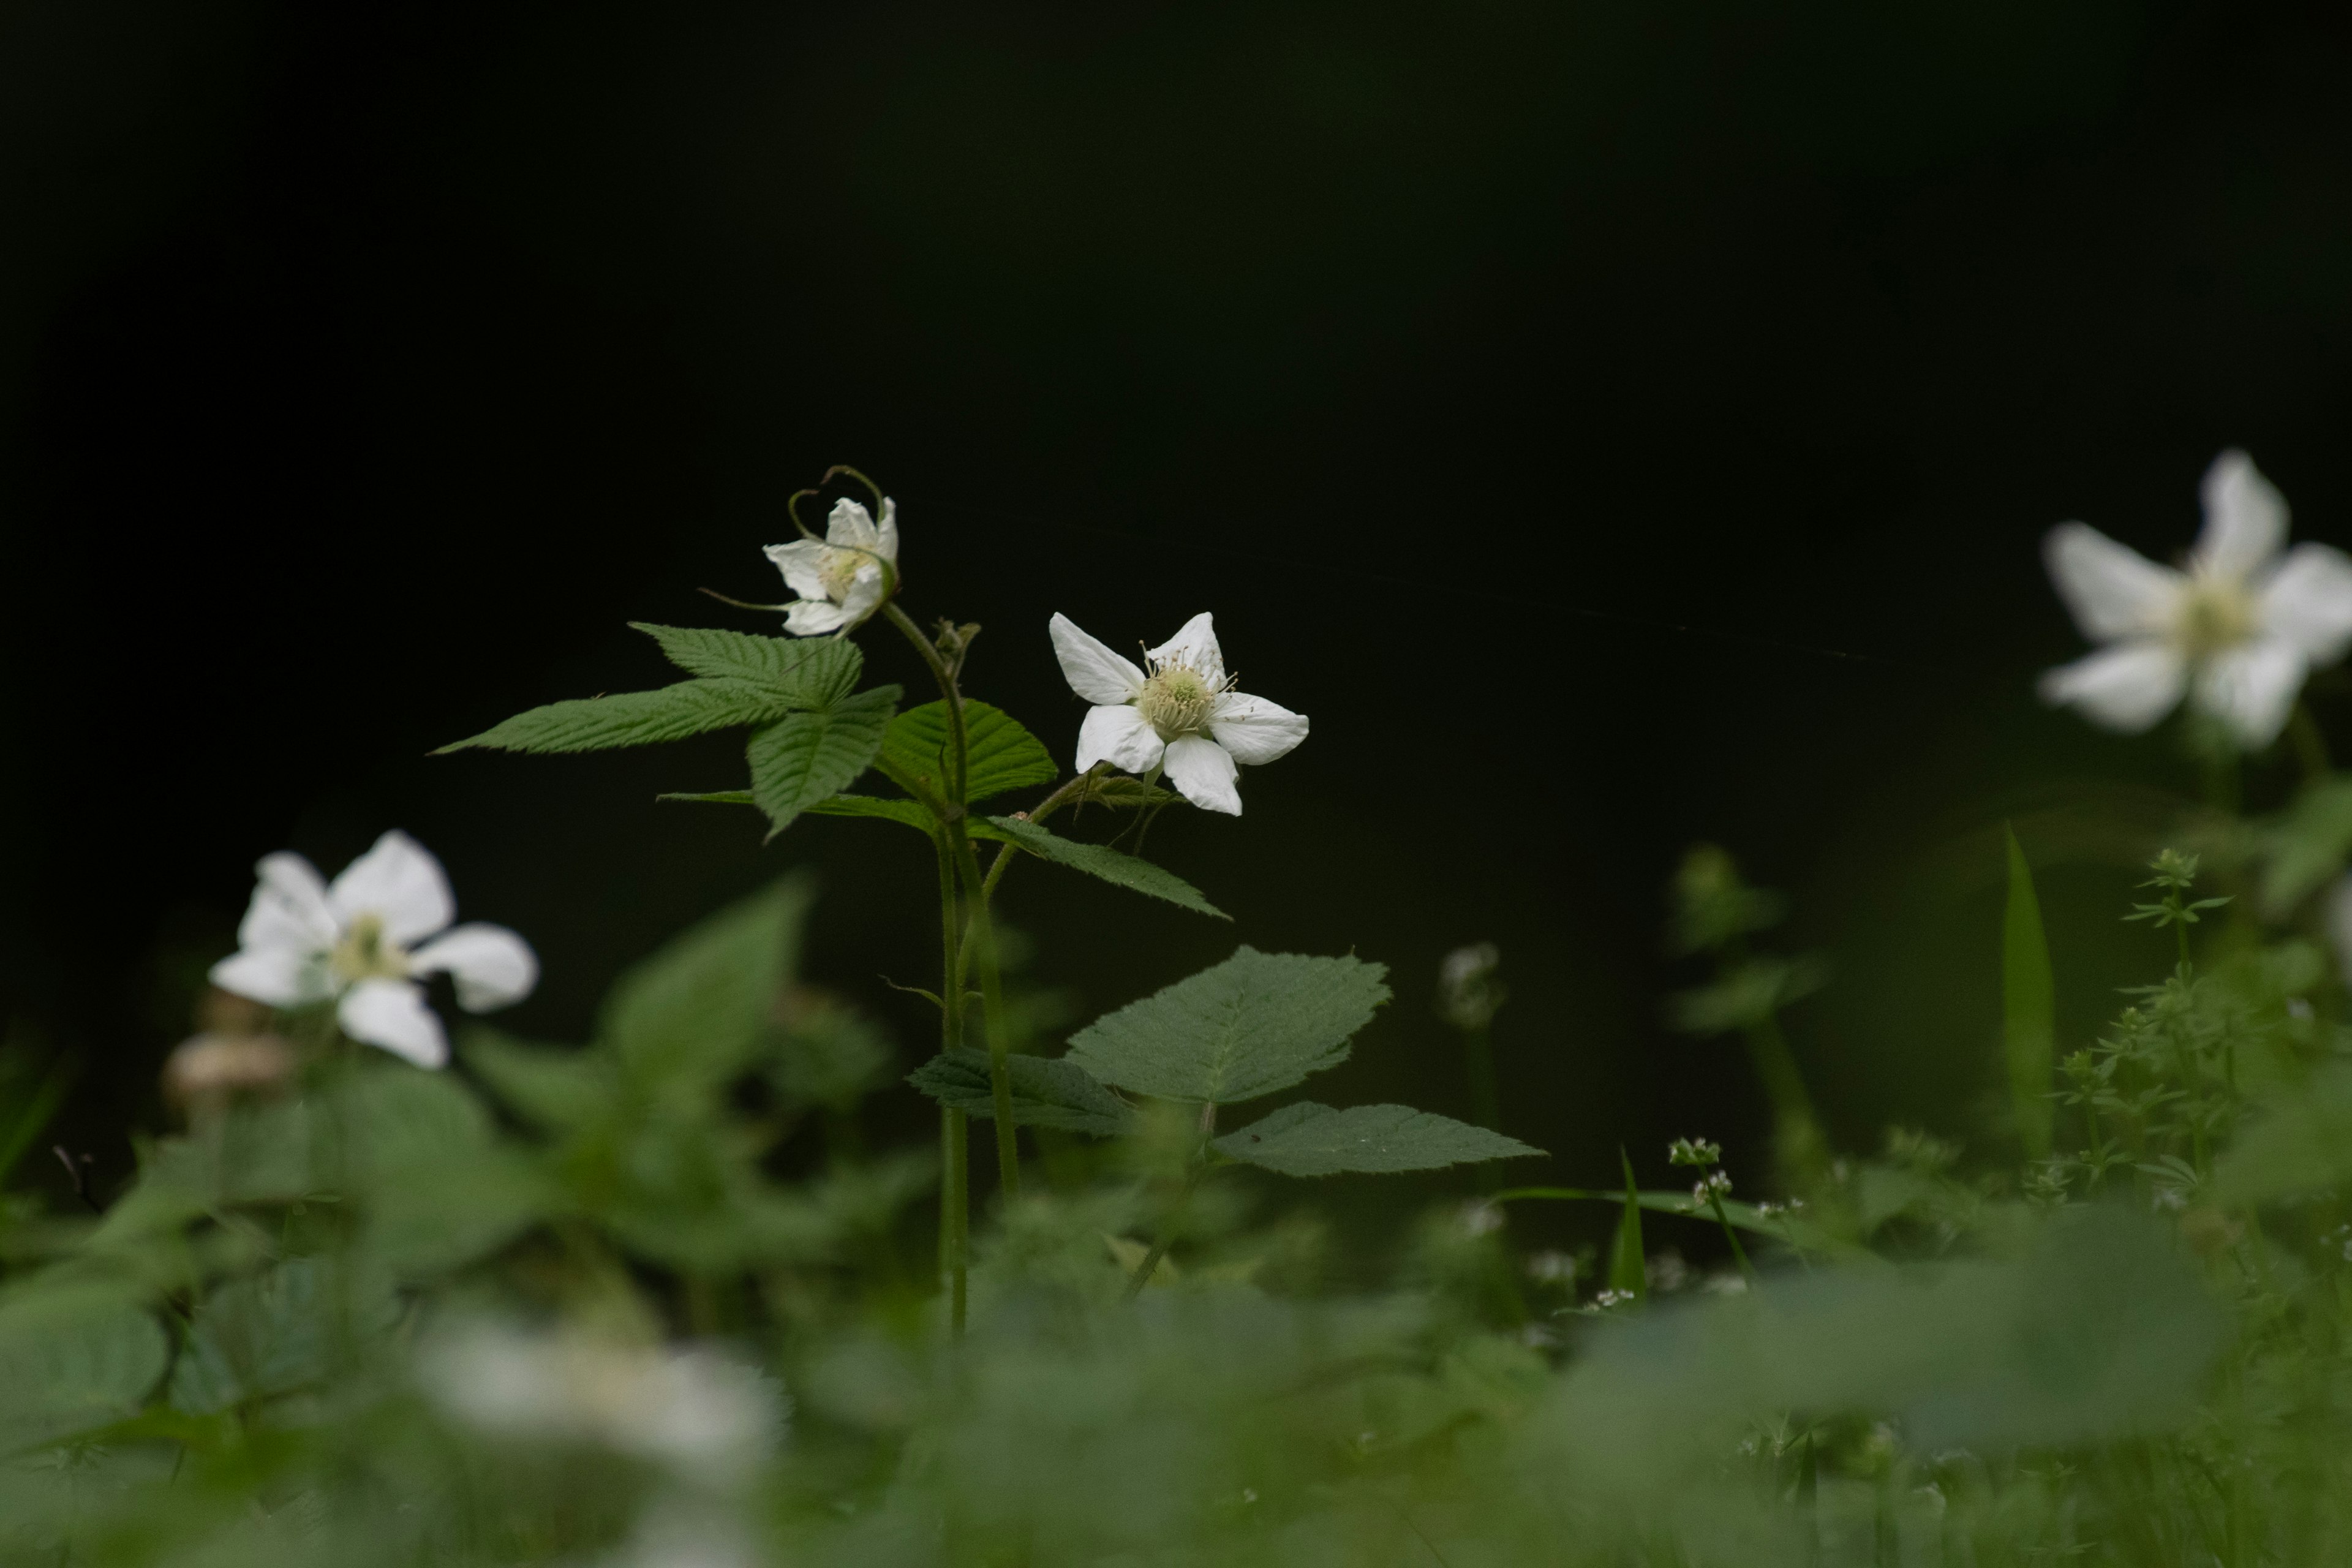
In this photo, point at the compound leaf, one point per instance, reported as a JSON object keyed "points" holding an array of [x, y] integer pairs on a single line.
{"points": [[1110, 865], [999, 755], [632, 718], [806, 672], [804, 758]]}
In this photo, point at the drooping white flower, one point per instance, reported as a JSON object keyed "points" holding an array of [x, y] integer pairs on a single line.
{"points": [[1182, 715], [357, 941], [2236, 632], [839, 579], [695, 1413]]}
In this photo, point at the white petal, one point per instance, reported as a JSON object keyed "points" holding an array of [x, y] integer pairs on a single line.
{"points": [[2114, 590], [392, 1013], [814, 617], [888, 529], [493, 967], [1093, 671], [280, 976], [1195, 646], [2128, 686], [1253, 730], [803, 564], [1118, 734], [2252, 688], [2340, 923], [289, 907], [400, 883], [2245, 517], [864, 593], [2308, 601], [1203, 773], [851, 523]]}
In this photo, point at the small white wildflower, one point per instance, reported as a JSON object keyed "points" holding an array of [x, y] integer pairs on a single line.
{"points": [[838, 578], [2237, 632], [1666, 1272], [1184, 715], [1613, 1299], [1479, 1217], [1725, 1284], [1552, 1268], [1468, 993], [355, 940], [1708, 1188]]}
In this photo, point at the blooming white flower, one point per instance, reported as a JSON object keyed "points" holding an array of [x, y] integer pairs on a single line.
{"points": [[839, 579], [1184, 715], [357, 941], [694, 1411], [2237, 631]]}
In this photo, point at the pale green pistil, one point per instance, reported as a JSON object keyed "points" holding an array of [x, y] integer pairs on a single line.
{"points": [[1175, 701], [364, 955], [2216, 615]]}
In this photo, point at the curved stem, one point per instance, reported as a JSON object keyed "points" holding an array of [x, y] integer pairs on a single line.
{"points": [[1039, 813], [1193, 1171]]}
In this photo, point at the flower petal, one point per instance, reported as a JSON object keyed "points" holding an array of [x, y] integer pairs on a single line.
{"points": [[1203, 773], [803, 564], [392, 1013], [289, 907], [1093, 671], [1118, 734], [2127, 687], [493, 967], [814, 617], [1194, 646], [2113, 589], [887, 531], [850, 523], [280, 976], [400, 883], [2252, 687], [2245, 516], [2308, 601], [1253, 730], [865, 595]]}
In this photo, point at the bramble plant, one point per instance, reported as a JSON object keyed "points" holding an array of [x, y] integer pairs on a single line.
{"points": [[520, 1303]]}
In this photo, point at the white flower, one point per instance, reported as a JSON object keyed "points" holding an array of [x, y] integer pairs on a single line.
{"points": [[303, 940], [1183, 716], [839, 579], [702, 1416], [2237, 631]]}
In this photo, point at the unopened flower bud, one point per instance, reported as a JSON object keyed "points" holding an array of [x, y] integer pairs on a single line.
{"points": [[1468, 992]]}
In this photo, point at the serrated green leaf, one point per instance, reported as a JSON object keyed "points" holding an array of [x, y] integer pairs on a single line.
{"points": [[436, 1190], [1002, 755], [804, 758], [272, 1334], [807, 672], [1257, 1023], [74, 1358], [2029, 1008], [1046, 1092], [715, 798], [1628, 1271], [700, 1009], [632, 718], [1109, 865], [1311, 1139], [554, 1089]]}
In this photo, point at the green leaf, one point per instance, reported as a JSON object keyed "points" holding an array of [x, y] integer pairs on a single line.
{"points": [[554, 1089], [2029, 1027], [632, 718], [715, 798], [807, 672], [437, 1189], [73, 1359], [1778, 1226], [701, 1008], [2307, 846], [1311, 1139], [273, 1334], [1257, 1023], [804, 758], [1628, 1271], [907, 813], [1110, 865], [1046, 1092], [1001, 755]]}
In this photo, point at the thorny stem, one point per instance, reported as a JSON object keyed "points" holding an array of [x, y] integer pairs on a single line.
{"points": [[1193, 1171]]}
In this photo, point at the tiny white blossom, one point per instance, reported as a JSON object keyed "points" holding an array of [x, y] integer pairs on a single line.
{"points": [[1182, 715], [356, 942], [2236, 632], [838, 578]]}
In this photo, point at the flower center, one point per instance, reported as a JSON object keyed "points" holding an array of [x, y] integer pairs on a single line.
{"points": [[839, 570], [2216, 615], [1175, 700], [364, 955]]}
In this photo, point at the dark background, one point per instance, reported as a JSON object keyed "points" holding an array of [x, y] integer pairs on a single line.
{"points": [[1615, 423]]}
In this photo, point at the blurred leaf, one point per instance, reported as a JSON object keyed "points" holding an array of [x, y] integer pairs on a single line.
{"points": [[2307, 845], [74, 1357], [1110, 865], [274, 1333], [803, 758], [1128, 1254], [698, 1011], [555, 1089], [807, 672], [1777, 1224], [1046, 1092], [1311, 1139], [28, 1098], [1000, 755], [1628, 1269], [828, 1054], [436, 1188], [2029, 1009], [2302, 1142], [630, 718], [1257, 1023], [1746, 995]]}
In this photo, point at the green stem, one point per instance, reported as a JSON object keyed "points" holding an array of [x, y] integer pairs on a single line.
{"points": [[955, 1160], [980, 941], [1194, 1169], [2310, 744], [1738, 1253]]}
